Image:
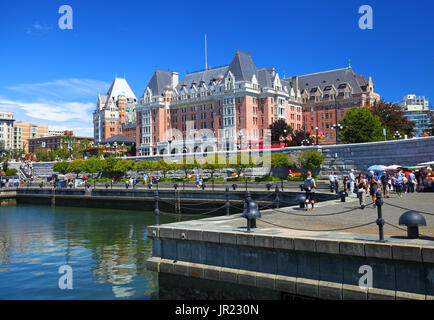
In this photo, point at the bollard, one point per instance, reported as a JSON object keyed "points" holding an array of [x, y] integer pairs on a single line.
{"points": [[228, 204], [149, 186], [234, 187], [246, 184], [157, 210], [412, 219], [247, 200], [276, 199], [380, 220], [343, 194], [41, 185], [203, 186], [301, 199], [175, 186], [268, 186], [107, 185]]}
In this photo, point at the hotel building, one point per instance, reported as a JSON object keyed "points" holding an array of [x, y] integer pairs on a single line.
{"points": [[417, 109], [113, 110], [220, 108], [6, 130], [25, 130], [326, 97]]}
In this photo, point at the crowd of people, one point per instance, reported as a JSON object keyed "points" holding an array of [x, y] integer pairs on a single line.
{"points": [[398, 181]]}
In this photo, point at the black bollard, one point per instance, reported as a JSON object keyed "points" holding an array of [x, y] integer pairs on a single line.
{"points": [[157, 210], [380, 220], [234, 186], [276, 199], [228, 204], [246, 184]]}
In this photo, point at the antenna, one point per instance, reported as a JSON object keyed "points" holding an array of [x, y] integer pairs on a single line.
{"points": [[206, 59]]}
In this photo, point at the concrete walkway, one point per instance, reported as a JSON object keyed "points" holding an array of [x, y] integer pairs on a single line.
{"points": [[280, 222]]}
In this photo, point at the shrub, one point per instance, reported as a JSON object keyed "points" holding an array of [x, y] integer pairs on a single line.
{"points": [[310, 159], [239, 179], [11, 172], [268, 178]]}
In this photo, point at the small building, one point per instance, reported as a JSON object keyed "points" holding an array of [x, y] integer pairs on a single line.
{"points": [[118, 140], [56, 142]]}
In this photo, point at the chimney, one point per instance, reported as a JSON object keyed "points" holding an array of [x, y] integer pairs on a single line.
{"points": [[175, 79]]}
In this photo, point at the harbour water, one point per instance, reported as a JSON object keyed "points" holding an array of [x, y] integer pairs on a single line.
{"points": [[106, 250]]}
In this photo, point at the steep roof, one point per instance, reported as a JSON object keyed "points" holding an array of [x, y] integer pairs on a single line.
{"points": [[242, 66], [335, 77], [119, 87], [160, 79], [207, 75], [119, 139]]}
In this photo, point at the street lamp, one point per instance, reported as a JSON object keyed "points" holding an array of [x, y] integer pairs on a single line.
{"points": [[170, 143], [397, 135], [337, 126], [316, 128]]}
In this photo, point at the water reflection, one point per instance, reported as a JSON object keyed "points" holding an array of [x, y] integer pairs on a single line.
{"points": [[107, 250]]}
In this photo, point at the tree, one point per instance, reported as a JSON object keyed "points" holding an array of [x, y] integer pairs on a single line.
{"points": [[76, 166], [278, 130], [214, 162], [108, 166], [240, 162], [297, 138], [279, 160], [360, 125], [123, 166], [310, 159], [92, 165], [187, 164], [61, 167], [165, 166], [144, 165], [392, 117]]}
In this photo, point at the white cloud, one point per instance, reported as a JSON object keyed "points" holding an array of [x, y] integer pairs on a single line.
{"points": [[74, 88], [57, 111], [38, 28]]}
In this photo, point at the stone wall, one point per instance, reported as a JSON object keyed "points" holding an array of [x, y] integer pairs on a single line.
{"points": [[359, 156]]}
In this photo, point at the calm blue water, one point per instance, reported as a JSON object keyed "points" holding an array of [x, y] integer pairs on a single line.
{"points": [[106, 249]]}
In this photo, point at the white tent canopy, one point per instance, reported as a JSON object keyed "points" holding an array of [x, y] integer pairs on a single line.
{"points": [[429, 163]]}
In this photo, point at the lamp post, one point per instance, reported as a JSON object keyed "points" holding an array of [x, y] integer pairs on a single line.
{"points": [[170, 143], [337, 126], [316, 128], [397, 135]]}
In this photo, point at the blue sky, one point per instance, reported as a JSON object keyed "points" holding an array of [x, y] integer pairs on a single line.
{"points": [[52, 76]]}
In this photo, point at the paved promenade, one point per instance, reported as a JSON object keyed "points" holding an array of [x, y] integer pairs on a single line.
{"points": [[324, 218]]}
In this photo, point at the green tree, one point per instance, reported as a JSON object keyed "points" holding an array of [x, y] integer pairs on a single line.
{"points": [[123, 166], [165, 166], [92, 166], [279, 160], [76, 166], [61, 167], [144, 165], [108, 166], [240, 162], [310, 159], [187, 165], [360, 125], [214, 162]]}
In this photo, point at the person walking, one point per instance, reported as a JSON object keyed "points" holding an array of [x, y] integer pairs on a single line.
{"points": [[309, 186], [361, 189], [411, 181], [385, 184], [332, 181], [336, 182], [352, 180], [374, 185], [398, 183]]}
